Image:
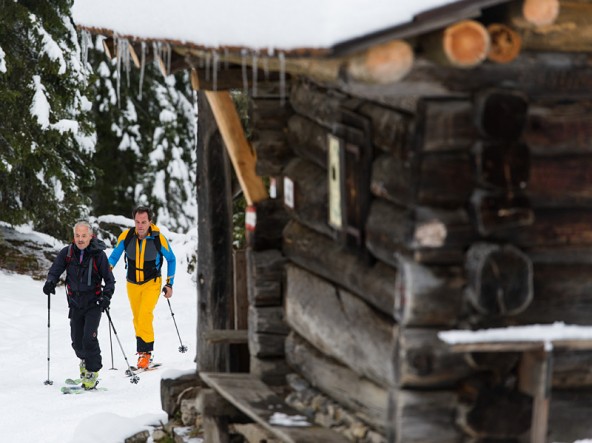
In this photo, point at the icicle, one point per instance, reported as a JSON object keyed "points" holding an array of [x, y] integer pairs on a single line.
{"points": [[116, 43], [282, 60], [208, 59], [244, 72], [255, 60], [215, 62], [142, 68], [124, 54], [85, 43], [168, 58], [225, 58]]}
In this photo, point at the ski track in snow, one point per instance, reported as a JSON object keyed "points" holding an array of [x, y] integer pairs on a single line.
{"points": [[34, 412]]}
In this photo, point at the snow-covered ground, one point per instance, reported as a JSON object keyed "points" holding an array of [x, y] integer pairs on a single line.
{"points": [[31, 411]]}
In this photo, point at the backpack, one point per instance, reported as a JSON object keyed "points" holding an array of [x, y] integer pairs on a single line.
{"points": [[128, 238]]}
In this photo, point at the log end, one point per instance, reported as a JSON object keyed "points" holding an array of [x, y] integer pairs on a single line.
{"points": [[505, 43], [382, 64], [540, 12], [466, 44]]}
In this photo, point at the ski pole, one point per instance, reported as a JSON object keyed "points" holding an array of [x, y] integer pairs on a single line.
{"points": [[182, 348], [133, 378], [112, 368], [48, 381]]}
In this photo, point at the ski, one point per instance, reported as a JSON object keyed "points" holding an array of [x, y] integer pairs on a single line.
{"points": [[135, 370], [73, 381], [70, 389]]}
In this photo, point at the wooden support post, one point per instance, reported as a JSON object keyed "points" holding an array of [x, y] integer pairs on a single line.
{"points": [[240, 151], [536, 369], [214, 254]]}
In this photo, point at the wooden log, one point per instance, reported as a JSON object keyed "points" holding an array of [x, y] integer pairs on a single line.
{"points": [[268, 319], [264, 278], [390, 229], [494, 411], [214, 257], [505, 43], [464, 44], [562, 292], [272, 150], [265, 345], [340, 325], [540, 12], [444, 180], [253, 432], [572, 369], [423, 417], [236, 336], [427, 295], [500, 279], [319, 254], [424, 361], [448, 125], [498, 211], [309, 198], [270, 370], [237, 146], [269, 114], [500, 114], [390, 128], [172, 388], [560, 181], [392, 180], [368, 400], [381, 64], [569, 32], [559, 128], [504, 165], [308, 140]]}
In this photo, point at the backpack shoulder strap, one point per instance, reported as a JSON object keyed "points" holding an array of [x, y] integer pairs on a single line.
{"points": [[128, 237], [69, 254]]}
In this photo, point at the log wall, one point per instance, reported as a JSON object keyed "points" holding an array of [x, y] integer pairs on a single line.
{"points": [[480, 214]]}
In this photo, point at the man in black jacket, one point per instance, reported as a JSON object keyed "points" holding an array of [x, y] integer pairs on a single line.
{"points": [[86, 266]]}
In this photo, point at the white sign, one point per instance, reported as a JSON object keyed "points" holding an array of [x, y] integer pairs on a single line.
{"points": [[289, 192]]}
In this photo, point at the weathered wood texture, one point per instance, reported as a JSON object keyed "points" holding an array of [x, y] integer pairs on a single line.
{"points": [[320, 254], [571, 369], [262, 344], [268, 121], [308, 139], [391, 128], [271, 217], [562, 292], [569, 415], [270, 370], [424, 361], [260, 403], [368, 400], [214, 256], [340, 325], [310, 195], [428, 295], [265, 277], [423, 417], [500, 279]]}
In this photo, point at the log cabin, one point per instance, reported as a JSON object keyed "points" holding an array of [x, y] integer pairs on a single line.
{"points": [[433, 172]]}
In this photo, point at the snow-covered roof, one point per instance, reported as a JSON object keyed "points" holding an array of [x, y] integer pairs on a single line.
{"points": [[262, 25]]}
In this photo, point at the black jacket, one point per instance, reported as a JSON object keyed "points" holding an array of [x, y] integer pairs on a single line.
{"points": [[81, 294]]}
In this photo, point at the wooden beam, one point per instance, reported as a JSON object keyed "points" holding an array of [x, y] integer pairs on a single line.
{"points": [[381, 64], [226, 336], [540, 12], [240, 151]]}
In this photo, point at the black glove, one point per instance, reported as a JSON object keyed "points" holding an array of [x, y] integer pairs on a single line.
{"points": [[49, 287], [104, 301]]}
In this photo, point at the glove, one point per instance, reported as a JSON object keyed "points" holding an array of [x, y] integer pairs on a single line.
{"points": [[49, 287], [104, 301], [164, 289]]}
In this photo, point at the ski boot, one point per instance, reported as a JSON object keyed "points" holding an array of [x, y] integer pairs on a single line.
{"points": [[144, 360], [90, 380]]}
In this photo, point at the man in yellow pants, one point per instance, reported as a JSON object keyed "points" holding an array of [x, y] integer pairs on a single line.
{"points": [[145, 250]]}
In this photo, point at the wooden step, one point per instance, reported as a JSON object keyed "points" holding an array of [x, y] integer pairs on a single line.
{"points": [[255, 399], [233, 336]]}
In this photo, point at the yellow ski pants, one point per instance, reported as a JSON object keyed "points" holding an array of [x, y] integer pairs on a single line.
{"points": [[143, 299]]}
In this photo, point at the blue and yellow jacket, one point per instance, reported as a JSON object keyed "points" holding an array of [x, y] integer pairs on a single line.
{"points": [[145, 257]]}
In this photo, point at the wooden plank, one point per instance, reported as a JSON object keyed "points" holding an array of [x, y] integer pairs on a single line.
{"points": [[260, 403], [226, 336], [239, 150], [340, 325], [241, 299], [519, 346]]}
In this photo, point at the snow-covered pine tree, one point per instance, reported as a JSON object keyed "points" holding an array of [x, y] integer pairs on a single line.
{"points": [[145, 140], [46, 136]]}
